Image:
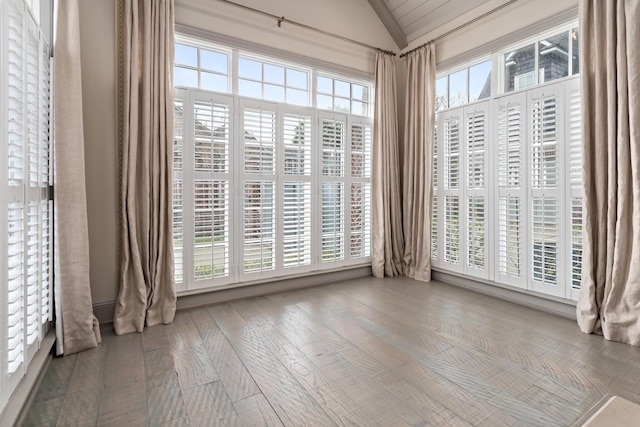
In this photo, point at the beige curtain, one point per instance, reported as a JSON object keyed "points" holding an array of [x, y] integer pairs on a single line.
{"points": [[386, 216], [147, 292], [610, 71], [417, 178], [76, 322]]}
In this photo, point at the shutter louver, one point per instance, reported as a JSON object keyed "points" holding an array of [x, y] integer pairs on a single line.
{"points": [[33, 272], [452, 153], [576, 242], [360, 220], [15, 288], [178, 191], [575, 183], [15, 94], [475, 232], [45, 238], [434, 229], [333, 147], [544, 169], [545, 236], [452, 229], [509, 130], [510, 236], [476, 141], [476, 150]]}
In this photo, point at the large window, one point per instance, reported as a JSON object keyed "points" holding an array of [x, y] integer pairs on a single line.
{"points": [[25, 208], [265, 184], [507, 170]]}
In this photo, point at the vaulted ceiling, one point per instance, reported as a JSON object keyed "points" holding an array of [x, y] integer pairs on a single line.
{"points": [[407, 20]]}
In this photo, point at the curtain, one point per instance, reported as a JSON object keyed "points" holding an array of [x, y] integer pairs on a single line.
{"points": [[147, 292], [386, 216], [417, 178], [609, 298], [76, 326]]}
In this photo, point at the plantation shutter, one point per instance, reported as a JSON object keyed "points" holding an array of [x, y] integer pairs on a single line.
{"points": [[178, 189], [511, 185], [360, 188], [476, 127], [259, 126], [435, 202], [333, 129], [574, 168], [545, 140], [452, 145], [296, 190], [25, 209]]}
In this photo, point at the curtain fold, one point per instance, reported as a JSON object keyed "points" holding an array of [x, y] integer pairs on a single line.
{"points": [[147, 289], [386, 216], [75, 321], [609, 301], [417, 178]]}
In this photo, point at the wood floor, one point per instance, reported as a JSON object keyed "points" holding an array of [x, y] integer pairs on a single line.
{"points": [[365, 352]]}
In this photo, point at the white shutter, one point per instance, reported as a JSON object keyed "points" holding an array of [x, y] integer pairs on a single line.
{"points": [[296, 185], [178, 189], [546, 138], [15, 288], [333, 129], [258, 188], [476, 140], [436, 234], [360, 189], [511, 225], [574, 168], [452, 146]]}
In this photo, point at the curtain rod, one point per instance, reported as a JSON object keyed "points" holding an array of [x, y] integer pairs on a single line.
{"points": [[281, 19], [459, 27]]}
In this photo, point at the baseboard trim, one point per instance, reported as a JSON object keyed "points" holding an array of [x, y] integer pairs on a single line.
{"points": [[564, 308], [104, 311], [16, 410]]}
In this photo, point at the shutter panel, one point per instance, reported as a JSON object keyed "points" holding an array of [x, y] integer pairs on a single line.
{"points": [[452, 153], [211, 199], [574, 135], [178, 190], [296, 216], [452, 229], [15, 94], [476, 232], [360, 199], [435, 237], [333, 146], [434, 228], [259, 127], [15, 288], [452, 140], [511, 238], [545, 133]]}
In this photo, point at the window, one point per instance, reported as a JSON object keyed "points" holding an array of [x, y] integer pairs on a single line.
{"points": [[547, 59], [200, 67], [25, 208], [503, 166], [265, 187], [343, 96], [464, 86]]}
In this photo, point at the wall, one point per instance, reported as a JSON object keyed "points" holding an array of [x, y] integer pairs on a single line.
{"points": [[98, 39]]}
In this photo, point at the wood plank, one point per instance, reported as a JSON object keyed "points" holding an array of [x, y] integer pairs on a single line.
{"points": [[209, 404], [89, 369], [192, 361], [80, 408], [123, 403], [164, 395], [154, 337], [256, 410]]}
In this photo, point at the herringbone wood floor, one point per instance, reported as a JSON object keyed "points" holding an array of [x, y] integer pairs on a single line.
{"points": [[365, 352]]}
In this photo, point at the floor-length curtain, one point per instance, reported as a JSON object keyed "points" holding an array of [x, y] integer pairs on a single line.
{"points": [[610, 71], [75, 321], [147, 289], [417, 181], [386, 216]]}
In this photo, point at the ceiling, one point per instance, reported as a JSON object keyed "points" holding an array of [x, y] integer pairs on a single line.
{"points": [[407, 20]]}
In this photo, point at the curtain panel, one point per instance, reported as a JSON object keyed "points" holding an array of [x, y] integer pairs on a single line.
{"points": [[386, 216], [77, 328], [609, 298], [147, 292], [417, 178]]}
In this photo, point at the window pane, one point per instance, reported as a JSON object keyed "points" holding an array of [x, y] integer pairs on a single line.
{"points": [[274, 93], [297, 97], [359, 108], [216, 82], [575, 49], [248, 88], [185, 77], [342, 89], [325, 102], [186, 55], [342, 105], [297, 79], [273, 74], [480, 81], [325, 85], [442, 98], [520, 68], [458, 88], [213, 61], [249, 69], [361, 93], [553, 58]]}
